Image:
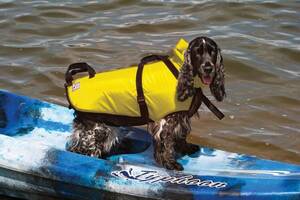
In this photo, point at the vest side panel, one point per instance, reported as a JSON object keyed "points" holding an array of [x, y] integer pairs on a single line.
{"points": [[112, 92]]}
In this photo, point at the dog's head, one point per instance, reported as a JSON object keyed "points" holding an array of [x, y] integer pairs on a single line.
{"points": [[203, 59]]}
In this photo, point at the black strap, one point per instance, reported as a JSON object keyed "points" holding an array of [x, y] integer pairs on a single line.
{"points": [[210, 105], [140, 93], [196, 102], [165, 59], [76, 68], [151, 58], [139, 83], [171, 66]]}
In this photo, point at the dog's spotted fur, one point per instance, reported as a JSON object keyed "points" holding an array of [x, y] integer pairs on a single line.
{"points": [[93, 138], [202, 58]]}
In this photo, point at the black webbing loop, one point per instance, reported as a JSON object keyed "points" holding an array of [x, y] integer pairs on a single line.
{"points": [[210, 105], [76, 68]]}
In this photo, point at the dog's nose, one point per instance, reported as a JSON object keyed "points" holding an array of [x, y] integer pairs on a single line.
{"points": [[208, 69]]}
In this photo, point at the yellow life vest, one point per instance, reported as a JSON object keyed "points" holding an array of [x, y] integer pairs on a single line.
{"points": [[115, 93]]}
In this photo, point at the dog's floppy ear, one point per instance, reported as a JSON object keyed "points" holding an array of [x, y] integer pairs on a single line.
{"points": [[185, 86], [217, 86]]}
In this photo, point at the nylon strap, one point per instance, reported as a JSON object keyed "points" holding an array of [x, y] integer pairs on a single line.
{"points": [[196, 103], [171, 67], [140, 93], [139, 80], [210, 105]]}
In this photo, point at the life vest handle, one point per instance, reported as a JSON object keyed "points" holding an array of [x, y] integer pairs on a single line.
{"points": [[76, 68]]}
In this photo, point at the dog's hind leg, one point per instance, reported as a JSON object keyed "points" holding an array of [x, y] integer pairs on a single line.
{"points": [[106, 140], [92, 139]]}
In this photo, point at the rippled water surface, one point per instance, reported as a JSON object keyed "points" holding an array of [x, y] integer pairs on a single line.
{"points": [[260, 42]]}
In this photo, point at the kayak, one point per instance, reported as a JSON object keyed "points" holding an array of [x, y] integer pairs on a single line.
{"points": [[35, 165]]}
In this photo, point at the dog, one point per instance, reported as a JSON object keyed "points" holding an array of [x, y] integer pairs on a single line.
{"points": [[203, 60]]}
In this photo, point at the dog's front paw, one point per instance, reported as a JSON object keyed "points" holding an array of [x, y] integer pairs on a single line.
{"points": [[185, 148], [190, 149], [173, 165]]}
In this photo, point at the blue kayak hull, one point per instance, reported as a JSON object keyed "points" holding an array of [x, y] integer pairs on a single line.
{"points": [[34, 164]]}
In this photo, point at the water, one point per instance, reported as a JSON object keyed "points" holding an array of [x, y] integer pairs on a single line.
{"points": [[260, 42]]}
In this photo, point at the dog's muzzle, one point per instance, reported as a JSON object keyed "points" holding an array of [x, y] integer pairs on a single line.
{"points": [[206, 72]]}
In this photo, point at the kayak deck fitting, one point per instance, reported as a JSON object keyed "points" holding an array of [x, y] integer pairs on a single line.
{"points": [[34, 164]]}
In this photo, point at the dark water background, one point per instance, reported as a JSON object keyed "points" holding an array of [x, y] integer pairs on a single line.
{"points": [[260, 42]]}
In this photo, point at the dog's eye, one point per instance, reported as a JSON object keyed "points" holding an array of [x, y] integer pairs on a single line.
{"points": [[213, 53], [210, 50]]}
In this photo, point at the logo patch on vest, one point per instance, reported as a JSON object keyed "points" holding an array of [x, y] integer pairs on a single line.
{"points": [[75, 86]]}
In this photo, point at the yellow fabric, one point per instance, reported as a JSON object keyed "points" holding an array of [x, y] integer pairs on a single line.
{"points": [[114, 92]]}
